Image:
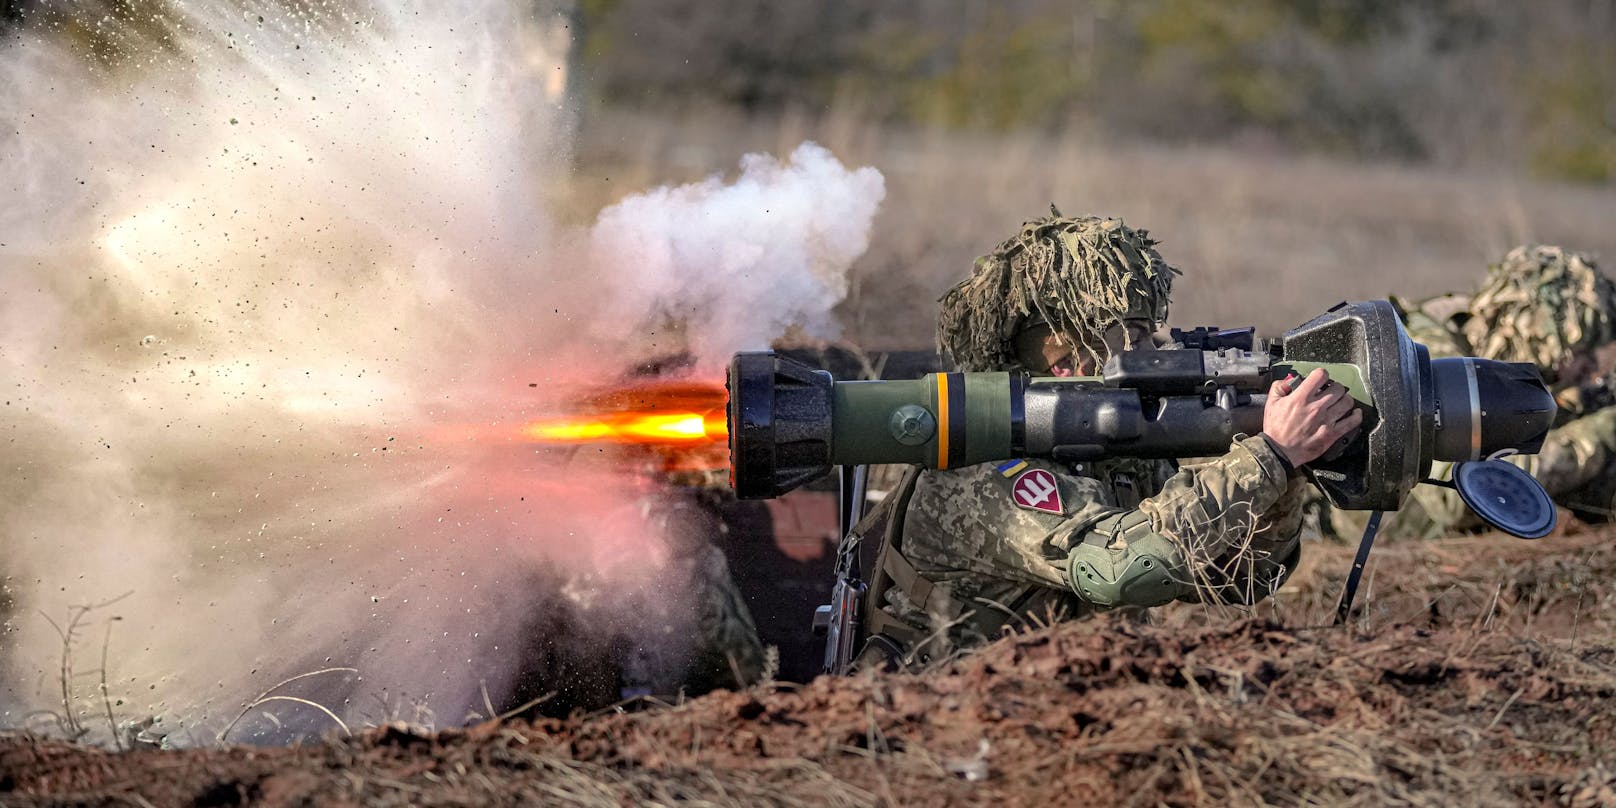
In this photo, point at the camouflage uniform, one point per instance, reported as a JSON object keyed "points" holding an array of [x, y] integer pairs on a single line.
{"points": [[960, 561], [1540, 304]]}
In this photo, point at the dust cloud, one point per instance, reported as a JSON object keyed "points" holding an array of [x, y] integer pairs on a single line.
{"points": [[277, 290]]}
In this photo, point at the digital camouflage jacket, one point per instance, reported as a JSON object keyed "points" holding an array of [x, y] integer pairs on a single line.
{"points": [[979, 549]]}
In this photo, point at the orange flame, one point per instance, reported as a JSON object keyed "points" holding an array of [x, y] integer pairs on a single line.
{"points": [[653, 428], [669, 414]]}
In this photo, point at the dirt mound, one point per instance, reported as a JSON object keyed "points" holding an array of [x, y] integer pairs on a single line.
{"points": [[1487, 676]]}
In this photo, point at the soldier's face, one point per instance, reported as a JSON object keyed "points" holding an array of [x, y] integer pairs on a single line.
{"points": [[1066, 356]]}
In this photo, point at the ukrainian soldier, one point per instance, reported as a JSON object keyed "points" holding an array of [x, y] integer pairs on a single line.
{"points": [[966, 553], [1540, 304]]}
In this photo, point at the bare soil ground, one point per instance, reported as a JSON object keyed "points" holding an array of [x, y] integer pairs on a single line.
{"points": [[1479, 671]]}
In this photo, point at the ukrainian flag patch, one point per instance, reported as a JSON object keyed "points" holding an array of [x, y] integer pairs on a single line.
{"points": [[1011, 468]]}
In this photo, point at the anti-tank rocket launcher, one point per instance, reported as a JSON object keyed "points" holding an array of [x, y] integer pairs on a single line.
{"points": [[790, 423]]}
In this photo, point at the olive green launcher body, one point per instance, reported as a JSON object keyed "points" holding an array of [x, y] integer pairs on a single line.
{"points": [[948, 420]]}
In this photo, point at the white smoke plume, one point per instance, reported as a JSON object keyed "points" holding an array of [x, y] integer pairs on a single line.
{"points": [[748, 258], [276, 289]]}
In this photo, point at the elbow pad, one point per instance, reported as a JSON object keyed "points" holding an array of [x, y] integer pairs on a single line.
{"points": [[1138, 568]]}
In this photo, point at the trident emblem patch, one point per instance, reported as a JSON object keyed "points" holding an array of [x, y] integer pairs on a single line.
{"points": [[1036, 490]]}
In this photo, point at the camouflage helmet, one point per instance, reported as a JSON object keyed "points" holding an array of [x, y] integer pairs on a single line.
{"points": [[1541, 304], [1077, 275]]}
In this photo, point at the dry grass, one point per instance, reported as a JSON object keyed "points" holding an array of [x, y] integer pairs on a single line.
{"points": [[1556, 587], [1264, 239]]}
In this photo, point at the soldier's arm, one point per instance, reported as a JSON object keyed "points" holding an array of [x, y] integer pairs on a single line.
{"points": [[1574, 454], [1209, 535], [1225, 531]]}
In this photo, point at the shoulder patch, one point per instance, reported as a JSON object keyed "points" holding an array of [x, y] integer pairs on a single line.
{"points": [[1036, 490], [1011, 468]]}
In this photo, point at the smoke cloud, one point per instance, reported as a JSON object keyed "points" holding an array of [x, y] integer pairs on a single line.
{"points": [[749, 258], [277, 290]]}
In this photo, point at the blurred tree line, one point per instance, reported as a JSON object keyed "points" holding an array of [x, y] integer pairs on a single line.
{"points": [[1461, 83], [1465, 83]]}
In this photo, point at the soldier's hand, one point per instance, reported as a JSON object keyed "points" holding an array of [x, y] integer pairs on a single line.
{"points": [[1305, 417]]}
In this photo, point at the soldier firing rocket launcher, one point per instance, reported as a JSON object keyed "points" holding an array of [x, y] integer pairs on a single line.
{"points": [[789, 423]]}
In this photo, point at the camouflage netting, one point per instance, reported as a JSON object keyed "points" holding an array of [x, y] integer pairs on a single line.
{"points": [[1079, 275], [1541, 304]]}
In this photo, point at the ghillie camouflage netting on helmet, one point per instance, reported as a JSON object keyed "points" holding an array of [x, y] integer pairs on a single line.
{"points": [[1078, 275], [1541, 304]]}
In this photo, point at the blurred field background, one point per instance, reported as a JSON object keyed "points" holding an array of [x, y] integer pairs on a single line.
{"points": [[1287, 154]]}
